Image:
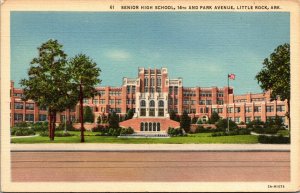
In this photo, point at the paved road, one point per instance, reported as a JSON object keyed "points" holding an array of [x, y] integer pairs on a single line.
{"points": [[150, 166]]}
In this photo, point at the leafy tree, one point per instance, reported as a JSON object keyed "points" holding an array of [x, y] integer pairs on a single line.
{"points": [[99, 119], [194, 120], [173, 115], [48, 81], [214, 118], [275, 75], [129, 114], [88, 115], [222, 124], [185, 122], [85, 76], [113, 121]]}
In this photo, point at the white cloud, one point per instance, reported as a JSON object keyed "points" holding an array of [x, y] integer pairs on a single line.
{"points": [[118, 55]]}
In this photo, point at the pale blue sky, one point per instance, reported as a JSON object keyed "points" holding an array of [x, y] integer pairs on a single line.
{"points": [[200, 47]]}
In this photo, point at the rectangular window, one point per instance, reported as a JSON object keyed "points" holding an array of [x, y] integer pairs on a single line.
{"points": [[270, 118], [72, 118], [95, 101], [248, 119], [257, 118], [170, 101], [237, 120], [128, 90], [158, 81], [229, 109], [220, 102], [280, 108], [143, 112], [42, 117], [128, 101], [111, 101], [175, 90], [29, 117], [158, 89], [102, 101], [220, 94], [170, 90], [237, 109], [42, 108], [19, 106], [118, 101], [62, 118], [193, 111], [257, 108], [248, 109], [118, 110], [270, 108], [29, 106], [86, 101], [101, 92], [18, 117], [133, 101], [185, 102], [175, 101], [220, 110], [151, 112], [208, 102], [160, 112], [215, 110], [202, 102]]}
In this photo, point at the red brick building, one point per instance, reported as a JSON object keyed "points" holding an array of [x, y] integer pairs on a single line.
{"points": [[152, 95]]}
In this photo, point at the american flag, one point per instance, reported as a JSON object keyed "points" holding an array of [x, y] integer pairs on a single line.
{"points": [[231, 76]]}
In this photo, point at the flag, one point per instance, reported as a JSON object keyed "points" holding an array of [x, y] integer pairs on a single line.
{"points": [[231, 76]]}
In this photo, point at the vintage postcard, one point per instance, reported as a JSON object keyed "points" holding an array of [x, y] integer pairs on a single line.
{"points": [[150, 96]]}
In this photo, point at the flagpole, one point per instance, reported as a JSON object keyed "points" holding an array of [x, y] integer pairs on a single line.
{"points": [[228, 103]]}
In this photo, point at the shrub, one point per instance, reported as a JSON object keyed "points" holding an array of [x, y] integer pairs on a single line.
{"points": [[222, 124], [63, 134], [44, 133], [126, 131], [40, 126], [273, 139], [100, 128], [232, 132], [176, 132], [201, 129], [20, 131], [69, 126]]}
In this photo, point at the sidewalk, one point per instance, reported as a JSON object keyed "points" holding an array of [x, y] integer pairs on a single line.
{"points": [[149, 147]]}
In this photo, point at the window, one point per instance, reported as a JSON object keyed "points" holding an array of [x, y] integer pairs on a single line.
{"points": [[152, 103], [102, 101], [193, 111], [158, 127], [257, 118], [158, 89], [143, 103], [152, 90], [154, 126], [29, 117], [151, 112], [237, 109], [280, 108], [133, 89], [29, 106], [101, 92], [229, 109], [142, 126], [72, 118], [248, 119], [208, 102], [237, 120], [161, 103], [95, 101], [257, 108], [158, 81], [175, 101], [42, 117], [215, 110], [118, 110], [143, 112], [150, 126], [160, 112], [270, 108], [19, 106], [133, 101], [152, 82], [146, 126], [18, 117], [175, 90], [86, 101], [248, 109], [220, 102], [111, 101], [205, 94], [146, 82], [202, 102], [220, 94], [118, 101], [128, 89], [220, 110], [128, 101], [185, 102], [170, 90], [62, 118]]}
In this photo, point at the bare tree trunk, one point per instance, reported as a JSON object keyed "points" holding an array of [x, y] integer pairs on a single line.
{"points": [[50, 125], [53, 126], [81, 114]]}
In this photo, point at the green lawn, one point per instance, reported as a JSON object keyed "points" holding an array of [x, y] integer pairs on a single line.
{"points": [[190, 139]]}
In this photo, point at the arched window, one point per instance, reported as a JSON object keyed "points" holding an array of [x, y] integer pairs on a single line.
{"points": [[146, 126], [150, 126], [161, 103], [143, 103], [152, 103], [154, 126], [158, 126], [142, 126]]}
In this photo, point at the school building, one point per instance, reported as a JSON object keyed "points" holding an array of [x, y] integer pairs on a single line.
{"points": [[152, 95]]}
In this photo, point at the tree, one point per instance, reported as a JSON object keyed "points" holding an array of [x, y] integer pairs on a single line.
{"points": [[173, 115], [113, 121], [222, 124], [214, 118], [85, 76], [48, 81], [88, 115], [185, 122], [275, 75], [129, 114]]}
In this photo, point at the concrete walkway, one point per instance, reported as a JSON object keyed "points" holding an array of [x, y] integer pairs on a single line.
{"points": [[149, 147], [27, 136]]}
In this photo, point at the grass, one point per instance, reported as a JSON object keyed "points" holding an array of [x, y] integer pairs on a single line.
{"points": [[199, 138], [283, 132]]}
